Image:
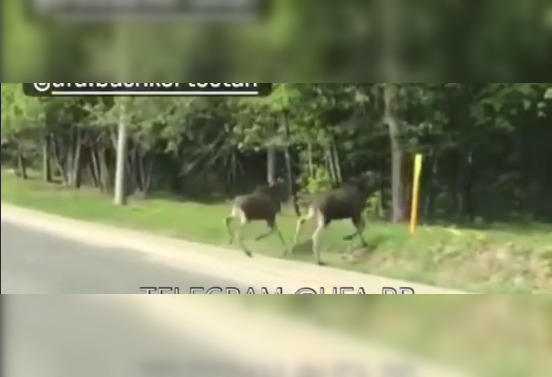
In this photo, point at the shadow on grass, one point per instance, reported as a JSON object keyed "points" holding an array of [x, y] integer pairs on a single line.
{"points": [[352, 250], [303, 248], [373, 243]]}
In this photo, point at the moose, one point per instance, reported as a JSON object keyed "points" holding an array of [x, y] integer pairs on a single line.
{"points": [[263, 204], [347, 202]]}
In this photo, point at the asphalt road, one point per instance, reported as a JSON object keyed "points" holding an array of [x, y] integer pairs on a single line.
{"points": [[70, 336], [53, 327], [40, 263]]}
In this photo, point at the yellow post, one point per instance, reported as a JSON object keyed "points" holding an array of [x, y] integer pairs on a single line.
{"points": [[415, 193]]}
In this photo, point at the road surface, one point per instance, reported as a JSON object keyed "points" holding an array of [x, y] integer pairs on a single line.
{"points": [[68, 336], [40, 263], [52, 335], [68, 323]]}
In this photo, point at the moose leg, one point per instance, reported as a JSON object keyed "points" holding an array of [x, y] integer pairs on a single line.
{"points": [[350, 236], [239, 234], [356, 220], [298, 228], [228, 221], [272, 224], [321, 225], [274, 229], [300, 224], [360, 224]]}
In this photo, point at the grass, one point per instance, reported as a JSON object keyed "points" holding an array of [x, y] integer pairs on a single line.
{"points": [[497, 260], [490, 336]]}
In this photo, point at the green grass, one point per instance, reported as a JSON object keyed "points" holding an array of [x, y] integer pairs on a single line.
{"points": [[491, 336], [499, 260]]}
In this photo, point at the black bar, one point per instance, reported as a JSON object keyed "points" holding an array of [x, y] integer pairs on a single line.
{"points": [[147, 89], [108, 9]]}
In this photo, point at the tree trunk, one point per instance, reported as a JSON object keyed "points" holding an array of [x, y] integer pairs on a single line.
{"points": [[93, 173], [21, 165], [337, 164], [140, 171], [460, 183], [271, 165], [95, 168], [467, 197], [397, 154], [122, 43], [120, 198], [148, 173], [104, 169], [329, 163], [69, 160], [131, 169], [407, 184], [77, 161], [391, 70], [309, 157], [292, 189], [382, 185], [144, 170], [57, 160], [46, 166], [431, 183]]}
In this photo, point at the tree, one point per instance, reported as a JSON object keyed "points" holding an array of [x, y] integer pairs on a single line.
{"points": [[22, 121], [485, 145]]}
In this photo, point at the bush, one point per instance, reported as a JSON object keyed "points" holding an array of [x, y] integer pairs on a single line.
{"points": [[320, 181], [374, 206]]}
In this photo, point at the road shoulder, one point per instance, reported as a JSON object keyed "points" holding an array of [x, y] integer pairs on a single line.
{"points": [[257, 272]]}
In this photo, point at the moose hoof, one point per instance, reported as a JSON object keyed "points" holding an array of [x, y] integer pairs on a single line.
{"points": [[320, 263], [248, 253]]}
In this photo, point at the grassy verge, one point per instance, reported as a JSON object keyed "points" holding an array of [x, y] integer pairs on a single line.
{"points": [[490, 336], [498, 260]]}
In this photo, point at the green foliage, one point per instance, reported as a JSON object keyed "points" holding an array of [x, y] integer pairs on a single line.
{"points": [[374, 206], [21, 115], [501, 128], [318, 182]]}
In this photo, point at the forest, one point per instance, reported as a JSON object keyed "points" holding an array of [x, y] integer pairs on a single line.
{"points": [[486, 147]]}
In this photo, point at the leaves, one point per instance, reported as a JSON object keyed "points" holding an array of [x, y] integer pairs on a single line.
{"points": [[491, 124], [20, 113]]}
